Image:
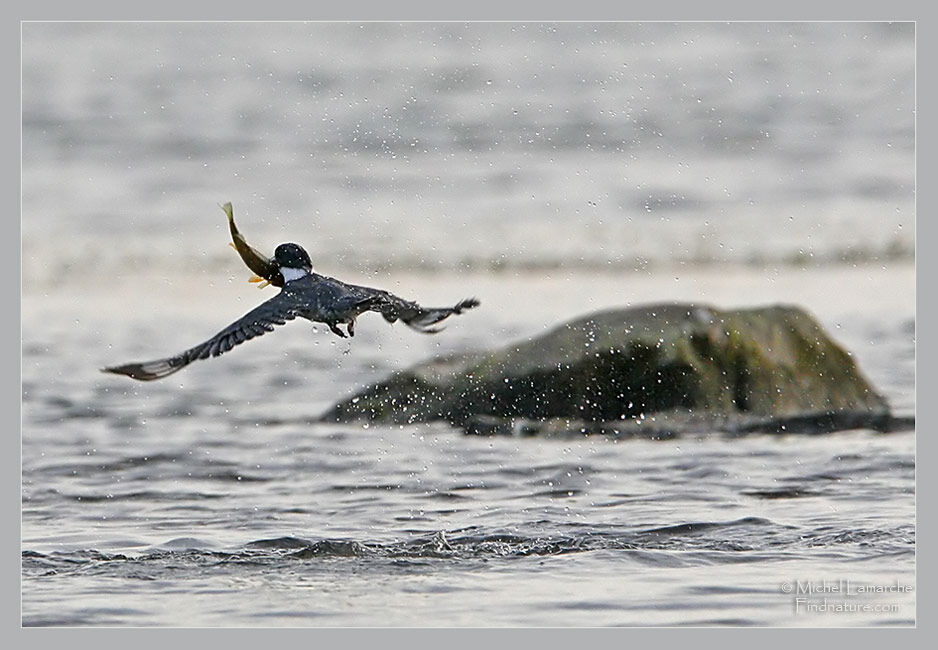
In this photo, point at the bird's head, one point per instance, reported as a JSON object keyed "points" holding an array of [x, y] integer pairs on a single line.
{"points": [[293, 261]]}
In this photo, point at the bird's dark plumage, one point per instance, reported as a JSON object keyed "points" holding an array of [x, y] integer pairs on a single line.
{"points": [[312, 296], [304, 294], [292, 256]]}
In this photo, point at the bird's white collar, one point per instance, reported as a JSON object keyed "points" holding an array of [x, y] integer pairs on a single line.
{"points": [[292, 274]]}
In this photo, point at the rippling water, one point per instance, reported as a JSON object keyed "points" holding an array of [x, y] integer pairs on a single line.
{"points": [[551, 170], [311, 524]]}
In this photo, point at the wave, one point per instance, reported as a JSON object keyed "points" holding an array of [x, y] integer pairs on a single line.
{"points": [[702, 542]]}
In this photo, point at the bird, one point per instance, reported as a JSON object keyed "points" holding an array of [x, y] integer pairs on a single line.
{"points": [[303, 294]]}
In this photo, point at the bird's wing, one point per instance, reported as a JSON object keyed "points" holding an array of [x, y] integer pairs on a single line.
{"points": [[395, 308], [283, 307]]}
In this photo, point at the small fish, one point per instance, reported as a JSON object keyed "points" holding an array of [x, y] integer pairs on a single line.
{"points": [[266, 269]]}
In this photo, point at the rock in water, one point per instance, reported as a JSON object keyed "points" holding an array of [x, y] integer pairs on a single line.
{"points": [[688, 366]]}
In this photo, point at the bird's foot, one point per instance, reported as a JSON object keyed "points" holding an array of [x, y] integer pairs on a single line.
{"points": [[351, 327], [336, 330]]}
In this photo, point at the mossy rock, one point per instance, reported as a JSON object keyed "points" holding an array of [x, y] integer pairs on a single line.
{"points": [[738, 365]]}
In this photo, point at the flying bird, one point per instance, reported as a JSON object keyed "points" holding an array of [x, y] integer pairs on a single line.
{"points": [[305, 294]]}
